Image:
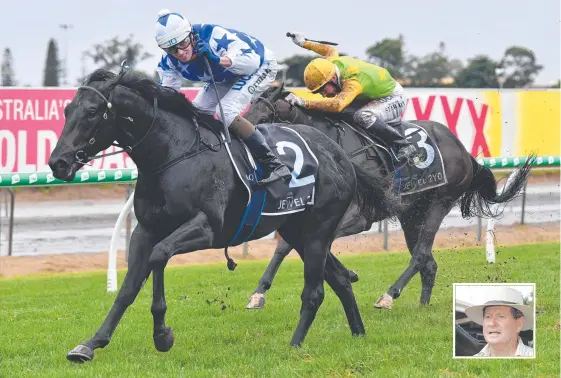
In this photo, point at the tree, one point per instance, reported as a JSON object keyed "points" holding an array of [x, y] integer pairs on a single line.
{"points": [[295, 71], [388, 53], [520, 67], [455, 66], [52, 66], [110, 54], [7, 69], [432, 70], [479, 73]]}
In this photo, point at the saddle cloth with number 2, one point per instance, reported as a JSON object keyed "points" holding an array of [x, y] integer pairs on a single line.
{"points": [[278, 198]]}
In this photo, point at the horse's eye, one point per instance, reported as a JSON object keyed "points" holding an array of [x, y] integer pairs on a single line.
{"points": [[92, 112]]}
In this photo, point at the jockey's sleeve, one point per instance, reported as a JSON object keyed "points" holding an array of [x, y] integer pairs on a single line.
{"points": [[245, 60], [169, 76], [321, 49], [351, 89]]}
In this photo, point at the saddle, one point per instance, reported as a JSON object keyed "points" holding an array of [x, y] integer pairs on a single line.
{"points": [[424, 172]]}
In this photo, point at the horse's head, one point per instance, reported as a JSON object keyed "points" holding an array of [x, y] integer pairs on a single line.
{"points": [[95, 119], [270, 107], [87, 128]]}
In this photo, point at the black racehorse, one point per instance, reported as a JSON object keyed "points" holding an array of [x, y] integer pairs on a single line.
{"points": [[420, 214], [188, 197]]}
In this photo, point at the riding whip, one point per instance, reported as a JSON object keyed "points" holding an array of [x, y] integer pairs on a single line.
{"points": [[207, 65], [313, 40]]}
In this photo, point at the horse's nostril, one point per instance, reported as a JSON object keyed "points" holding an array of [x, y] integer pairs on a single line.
{"points": [[61, 164]]}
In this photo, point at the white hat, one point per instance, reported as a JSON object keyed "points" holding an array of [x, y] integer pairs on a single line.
{"points": [[503, 296], [171, 28]]}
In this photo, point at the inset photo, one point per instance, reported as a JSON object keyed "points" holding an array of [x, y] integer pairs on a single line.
{"points": [[494, 320]]}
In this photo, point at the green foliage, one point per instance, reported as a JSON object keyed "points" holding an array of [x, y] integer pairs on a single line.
{"points": [[389, 53], [110, 54], [52, 66], [7, 69], [520, 67], [296, 66], [479, 73]]}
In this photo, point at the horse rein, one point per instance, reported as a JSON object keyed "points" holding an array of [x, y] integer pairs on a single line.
{"points": [[83, 158], [270, 105]]}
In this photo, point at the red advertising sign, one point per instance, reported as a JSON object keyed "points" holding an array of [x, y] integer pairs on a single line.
{"points": [[31, 121], [464, 113]]}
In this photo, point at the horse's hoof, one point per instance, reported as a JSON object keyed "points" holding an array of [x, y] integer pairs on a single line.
{"points": [[80, 354], [384, 302], [164, 341], [256, 302], [353, 276], [359, 333]]}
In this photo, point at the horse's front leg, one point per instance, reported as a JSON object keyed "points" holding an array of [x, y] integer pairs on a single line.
{"points": [[192, 236], [140, 249]]}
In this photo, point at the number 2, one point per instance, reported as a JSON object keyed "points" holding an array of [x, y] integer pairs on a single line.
{"points": [[298, 163]]}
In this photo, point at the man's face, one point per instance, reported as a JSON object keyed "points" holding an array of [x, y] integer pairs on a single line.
{"points": [[499, 326], [183, 51], [329, 89]]}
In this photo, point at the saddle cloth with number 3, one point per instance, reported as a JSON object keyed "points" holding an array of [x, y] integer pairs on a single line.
{"points": [[427, 170], [278, 198]]}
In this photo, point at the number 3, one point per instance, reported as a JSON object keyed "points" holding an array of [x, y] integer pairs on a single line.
{"points": [[298, 163], [423, 145]]}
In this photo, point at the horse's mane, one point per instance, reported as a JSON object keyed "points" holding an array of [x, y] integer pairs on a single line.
{"points": [[168, 98]]}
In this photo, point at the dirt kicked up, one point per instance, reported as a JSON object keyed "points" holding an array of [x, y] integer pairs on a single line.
{"points": [[263, 249]]}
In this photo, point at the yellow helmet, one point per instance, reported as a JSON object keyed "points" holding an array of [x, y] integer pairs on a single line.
{"points": [[317, 73]]}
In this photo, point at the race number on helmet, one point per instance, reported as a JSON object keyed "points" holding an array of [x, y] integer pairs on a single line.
{"points": [[171, 28]]}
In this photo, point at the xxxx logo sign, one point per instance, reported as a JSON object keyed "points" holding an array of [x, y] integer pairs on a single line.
{"points": [[466, 117]]}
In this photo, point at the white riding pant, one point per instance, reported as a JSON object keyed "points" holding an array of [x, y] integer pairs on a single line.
{"points": [[388, 109], [236, 96]]}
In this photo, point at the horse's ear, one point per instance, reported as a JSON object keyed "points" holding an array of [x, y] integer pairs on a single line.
{"points": [[281, 87], [276, 91], [124, 68]]}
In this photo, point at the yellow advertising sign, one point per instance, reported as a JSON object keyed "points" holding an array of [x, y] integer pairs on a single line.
{"points": [[490, 123], [538, 122]]}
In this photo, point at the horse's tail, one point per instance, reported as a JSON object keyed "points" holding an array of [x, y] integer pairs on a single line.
{"points": [[482, 192], [374, 193]]}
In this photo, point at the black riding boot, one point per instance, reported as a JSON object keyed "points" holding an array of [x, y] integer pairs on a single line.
{"points": [[274, 170], [391, 136]]}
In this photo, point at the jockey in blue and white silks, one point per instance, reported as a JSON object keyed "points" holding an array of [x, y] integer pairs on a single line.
{"points": [[242, 68]]}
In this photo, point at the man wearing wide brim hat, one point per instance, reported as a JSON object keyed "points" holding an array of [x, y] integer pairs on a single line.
{"points": [[503, 316]]}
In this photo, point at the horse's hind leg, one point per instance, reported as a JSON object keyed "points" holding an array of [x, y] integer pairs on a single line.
{"points": [[422, 259], [353, 223], [313, 251], [141, 245], [411, 222], [312, 237], [257, 299], [341, 285]]}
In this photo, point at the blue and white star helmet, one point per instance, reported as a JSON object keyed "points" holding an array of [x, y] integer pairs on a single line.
{"points": [[171, 28]]}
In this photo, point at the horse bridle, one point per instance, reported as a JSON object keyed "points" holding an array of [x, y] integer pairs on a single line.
{"points": [[271, 106], [83, 158]]}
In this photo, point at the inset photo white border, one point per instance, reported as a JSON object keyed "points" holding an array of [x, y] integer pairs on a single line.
{"points": [[465, 295]]}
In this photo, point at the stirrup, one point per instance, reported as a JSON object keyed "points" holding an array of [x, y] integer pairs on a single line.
{"points": [[406, 153], [275, 176]]}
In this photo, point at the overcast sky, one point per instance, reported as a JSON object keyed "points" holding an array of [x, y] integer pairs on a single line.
{"points": [[466, 27]]}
